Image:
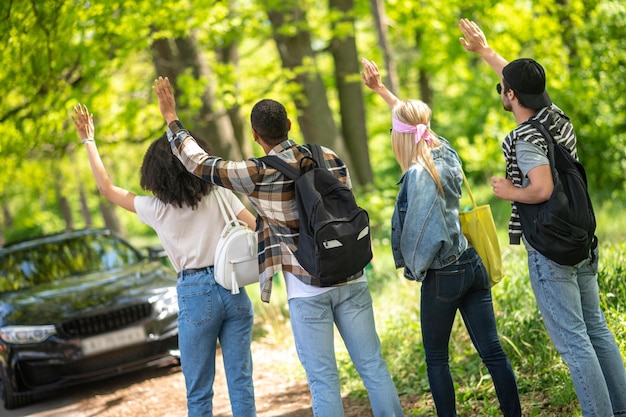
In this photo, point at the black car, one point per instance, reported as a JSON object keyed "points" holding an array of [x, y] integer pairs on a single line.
{"points": [[81, 306]]}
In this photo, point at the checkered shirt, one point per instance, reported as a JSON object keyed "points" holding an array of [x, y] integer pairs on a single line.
{"points": [[269, 191]]}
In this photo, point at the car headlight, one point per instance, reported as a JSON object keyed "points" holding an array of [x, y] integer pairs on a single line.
{"points": [[166, 304], [21, 335]]}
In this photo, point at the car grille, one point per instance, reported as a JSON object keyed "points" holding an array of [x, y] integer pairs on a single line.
{"points": [[52, 373], [103, 323]]}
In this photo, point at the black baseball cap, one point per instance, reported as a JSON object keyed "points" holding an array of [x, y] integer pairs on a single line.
{"points": [[528, 79]]}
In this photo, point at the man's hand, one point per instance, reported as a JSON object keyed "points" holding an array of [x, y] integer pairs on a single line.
{"points": [[503, 188], [475, 40], [83, 122], [167, 104]]}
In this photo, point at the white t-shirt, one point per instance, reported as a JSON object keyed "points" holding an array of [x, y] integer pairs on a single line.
{"points": [[298, 289], [188, 236]]}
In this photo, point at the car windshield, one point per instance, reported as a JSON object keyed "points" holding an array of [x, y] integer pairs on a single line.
{"points": [[56, 260]]}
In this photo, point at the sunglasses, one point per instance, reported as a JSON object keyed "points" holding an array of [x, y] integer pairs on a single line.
{"points": [[500, 88]]}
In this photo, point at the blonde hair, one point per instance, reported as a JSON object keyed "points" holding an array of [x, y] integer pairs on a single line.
{"points": [[406, 151]]}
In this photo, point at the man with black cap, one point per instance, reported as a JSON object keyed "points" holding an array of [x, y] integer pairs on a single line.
{"points": [[567, 296]]}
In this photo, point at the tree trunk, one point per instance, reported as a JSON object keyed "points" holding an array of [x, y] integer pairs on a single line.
{"points": [[426, 91], [314, 115], [84, 207], [7, 223], [64, 206], [350, 91], [172, 58], [229, 55], [423, 78], [82, 197], [111, 220], [380, 21]]}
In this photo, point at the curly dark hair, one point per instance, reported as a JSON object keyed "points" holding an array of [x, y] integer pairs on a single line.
{"points": [[269, 119], [166, 177]]}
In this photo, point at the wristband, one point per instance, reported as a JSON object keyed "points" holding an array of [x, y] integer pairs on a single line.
{"points": [[88, 140]]}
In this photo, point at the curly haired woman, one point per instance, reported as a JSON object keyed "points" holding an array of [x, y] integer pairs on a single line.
{"points": [[185, 215]]}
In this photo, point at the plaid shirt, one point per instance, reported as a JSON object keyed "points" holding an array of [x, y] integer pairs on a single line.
{"points": [[269, 191]]}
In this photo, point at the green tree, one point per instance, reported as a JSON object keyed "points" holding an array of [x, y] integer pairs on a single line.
{"points": [[224, 56]]}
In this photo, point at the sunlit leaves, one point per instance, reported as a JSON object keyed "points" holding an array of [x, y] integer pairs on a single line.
{"points": [[60, 52]]}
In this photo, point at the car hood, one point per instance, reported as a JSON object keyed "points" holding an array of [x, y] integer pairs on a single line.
{"points": [[85, 295]]}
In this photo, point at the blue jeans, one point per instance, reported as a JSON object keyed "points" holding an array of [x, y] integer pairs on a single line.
{"points": [[349, 307], [207, 313], [464, 286], [569, 302]]}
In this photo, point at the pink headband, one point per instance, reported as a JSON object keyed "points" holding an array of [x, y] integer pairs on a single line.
{"points": [[420, 130]]}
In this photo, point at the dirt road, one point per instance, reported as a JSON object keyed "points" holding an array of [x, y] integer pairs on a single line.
{"points": [[280, 390]]}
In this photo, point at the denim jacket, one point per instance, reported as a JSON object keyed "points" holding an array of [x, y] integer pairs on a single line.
{"points": [[425, 227]]}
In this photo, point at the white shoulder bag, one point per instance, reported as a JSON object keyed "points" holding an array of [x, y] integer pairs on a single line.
{"points": [[236, 258]]}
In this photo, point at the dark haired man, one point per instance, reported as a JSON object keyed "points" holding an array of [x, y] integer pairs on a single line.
{"points": [[314, 311], [567, 296]]}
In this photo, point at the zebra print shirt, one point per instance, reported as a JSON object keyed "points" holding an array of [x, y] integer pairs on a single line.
{"points": [[563, 132]]}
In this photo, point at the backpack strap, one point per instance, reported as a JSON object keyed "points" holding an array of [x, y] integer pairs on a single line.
{"points": [[225, 208], [289, 171], [318, 155], [277, 163], [550, 142]]}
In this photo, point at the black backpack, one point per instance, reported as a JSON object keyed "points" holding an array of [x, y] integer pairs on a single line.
{"points": [[334, 244], [563, 228]]}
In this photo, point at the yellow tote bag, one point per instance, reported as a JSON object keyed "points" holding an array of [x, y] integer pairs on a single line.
{"points": [[480, 230]]}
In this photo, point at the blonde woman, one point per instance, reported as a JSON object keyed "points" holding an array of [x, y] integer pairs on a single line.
{"points": [[428, 243]]}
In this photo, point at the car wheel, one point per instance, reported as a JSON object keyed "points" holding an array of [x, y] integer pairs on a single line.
{"points": [[11, 399]]}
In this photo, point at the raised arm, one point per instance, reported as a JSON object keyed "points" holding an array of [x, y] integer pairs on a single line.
{"points": [[371, 78], [85, 127], [474, 40]]}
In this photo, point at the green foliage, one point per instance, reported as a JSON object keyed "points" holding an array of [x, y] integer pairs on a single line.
{"points": [[597, 65], [57, 53]]}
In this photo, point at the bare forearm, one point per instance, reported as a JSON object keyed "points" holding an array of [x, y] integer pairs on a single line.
{"points": [[248, 218], [529, 195], [110, 191], [495, 61], [387, 95], [538, 190], [100, 174]]}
